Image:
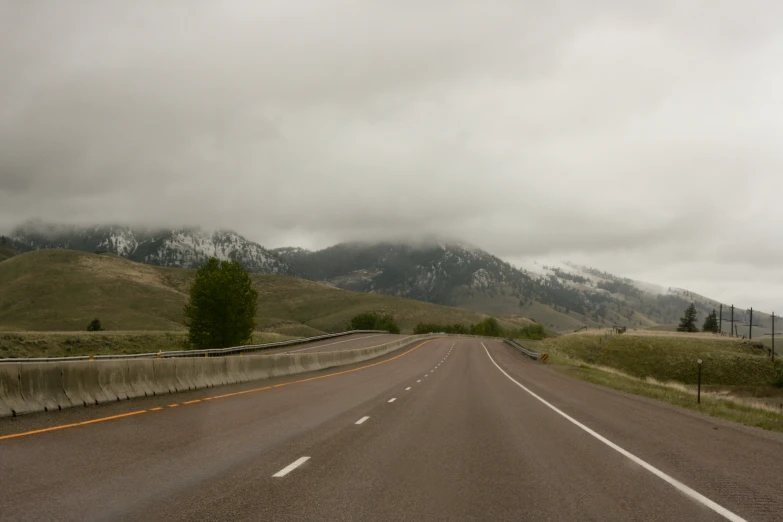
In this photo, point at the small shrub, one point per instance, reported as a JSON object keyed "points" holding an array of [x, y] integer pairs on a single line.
{"points": [[388, 323], [366, 321], [534, 332], [489, 327], [778, 381], [95, 326]]}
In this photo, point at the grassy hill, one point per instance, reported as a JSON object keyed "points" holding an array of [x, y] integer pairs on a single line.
{"points": [[62, 290], [7, 251], [669, 356]]}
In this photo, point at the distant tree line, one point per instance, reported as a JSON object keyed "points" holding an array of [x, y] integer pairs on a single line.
{"points": [[489, 327], [571, 277], [688, 321]]}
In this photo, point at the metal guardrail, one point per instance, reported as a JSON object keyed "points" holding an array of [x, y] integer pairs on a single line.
{"points": [[533, 355], [193, 353]]}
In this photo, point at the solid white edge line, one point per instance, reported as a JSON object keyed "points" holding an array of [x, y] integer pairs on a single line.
{"points": [[288, 469], [393, 399], [649, 467], [361, 421]]}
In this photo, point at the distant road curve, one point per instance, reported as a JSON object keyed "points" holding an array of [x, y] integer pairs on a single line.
{"points": [[348, 342]]}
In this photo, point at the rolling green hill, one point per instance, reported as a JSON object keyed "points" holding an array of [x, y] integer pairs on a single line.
{"points": [[62, 290]]}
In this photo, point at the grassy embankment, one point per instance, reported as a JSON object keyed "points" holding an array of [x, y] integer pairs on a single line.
{"points": [[62, 291], [63, 344], [737, 378]]}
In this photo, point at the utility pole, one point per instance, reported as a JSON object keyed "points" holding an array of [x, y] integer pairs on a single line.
{"points": [[750, 324], [733, 328], [773, 334]]}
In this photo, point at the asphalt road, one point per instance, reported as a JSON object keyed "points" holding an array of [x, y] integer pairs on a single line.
{"points": [[461, 440], [348, 342]]}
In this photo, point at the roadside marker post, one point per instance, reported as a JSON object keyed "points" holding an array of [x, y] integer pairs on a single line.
{"points": [[698, 396]]}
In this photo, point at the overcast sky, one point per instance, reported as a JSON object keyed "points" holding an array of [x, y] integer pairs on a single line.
{"points": [[643, 138]]}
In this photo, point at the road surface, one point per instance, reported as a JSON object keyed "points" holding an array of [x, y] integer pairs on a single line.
{"points": [[451, 429], [347, 342]]}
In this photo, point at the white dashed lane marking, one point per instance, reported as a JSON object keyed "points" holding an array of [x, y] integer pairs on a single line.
{"points": [[393, 399], [361, 421], [288, 469]]}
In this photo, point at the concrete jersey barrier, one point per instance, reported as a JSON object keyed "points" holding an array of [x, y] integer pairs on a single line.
{"points": [[33, 387]]}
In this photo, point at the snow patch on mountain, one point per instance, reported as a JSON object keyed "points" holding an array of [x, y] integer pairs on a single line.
{"points": [[120, 241], [182, 248]]}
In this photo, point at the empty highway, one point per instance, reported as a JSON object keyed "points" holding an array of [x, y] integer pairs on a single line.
{"points": [[447, 429]]}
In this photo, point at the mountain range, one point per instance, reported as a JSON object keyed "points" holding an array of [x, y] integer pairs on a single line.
{"points": [[181, 247], [561, 296]]}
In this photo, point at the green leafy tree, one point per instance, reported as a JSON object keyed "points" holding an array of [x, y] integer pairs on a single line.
{"points": [[388, 323], [95, 326], [366, 321], [688, 321], [710, 323], [488, 327], [373, 321], [222, 308]]}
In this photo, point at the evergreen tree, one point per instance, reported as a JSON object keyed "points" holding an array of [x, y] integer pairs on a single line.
{"points": [[711, 323], [222, 308], [688, 321]]}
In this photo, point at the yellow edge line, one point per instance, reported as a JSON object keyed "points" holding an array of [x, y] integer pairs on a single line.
{"points": [[123, 415], [64, 426]]}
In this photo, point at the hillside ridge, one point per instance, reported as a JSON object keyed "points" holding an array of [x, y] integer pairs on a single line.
{"points": [[562, 296], [62, 290]]}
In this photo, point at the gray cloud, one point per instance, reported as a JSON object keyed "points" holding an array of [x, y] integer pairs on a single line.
{"points": [[640, 137]]}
